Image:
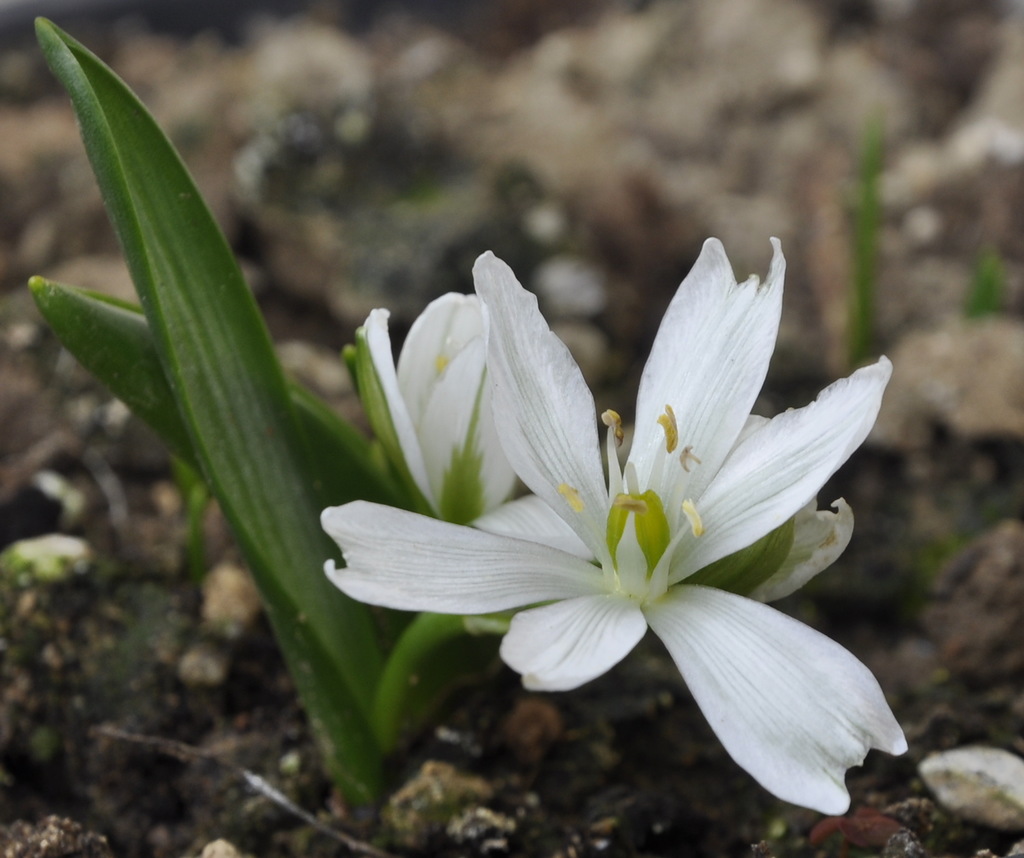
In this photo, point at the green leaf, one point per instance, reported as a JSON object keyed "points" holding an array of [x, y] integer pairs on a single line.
{"points": [[110, 339], [988, 285], [867, 227], [231, 395]]}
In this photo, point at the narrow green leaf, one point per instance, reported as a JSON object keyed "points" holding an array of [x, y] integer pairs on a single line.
{"points": [[867, 224], [987, 286], [196, 495], [232, 397], [110, 339]]}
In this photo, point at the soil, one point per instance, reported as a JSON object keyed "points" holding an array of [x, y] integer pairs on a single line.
{"points": [[141, 703]]}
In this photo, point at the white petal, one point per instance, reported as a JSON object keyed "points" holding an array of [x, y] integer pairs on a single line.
{"points": [[500, 480], [444, 327], [708, 363], [819, 537], [776, 469], [402, 560], [559, 647], [531, 519], [792, 707], [460, 404], [543, 410], [378, 341]]}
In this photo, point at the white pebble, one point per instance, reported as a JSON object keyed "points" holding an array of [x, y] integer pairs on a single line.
{"points": [[978, 784]]}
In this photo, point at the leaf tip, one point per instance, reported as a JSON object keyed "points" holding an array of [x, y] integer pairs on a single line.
{"points": [[45, 27]]}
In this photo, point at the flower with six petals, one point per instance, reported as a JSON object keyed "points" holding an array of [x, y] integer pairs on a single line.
{"points": [[432, 413], [712, 515]]}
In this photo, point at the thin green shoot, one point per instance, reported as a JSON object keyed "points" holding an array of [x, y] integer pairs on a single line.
{"points": [[867, 224], [987, 286]]}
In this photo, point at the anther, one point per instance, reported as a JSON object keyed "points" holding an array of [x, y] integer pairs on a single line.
{"points": [[613, 421], [686, 457], [441, 363], [572, 497], [630, 504], [667, 421], [690, 511]]}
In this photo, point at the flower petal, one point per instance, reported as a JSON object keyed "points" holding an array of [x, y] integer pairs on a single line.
{"points": [[440, 332], [543, 410], [819, 538], [708, 363], [530, 518], [402, 560], [773, 472], [560, 646], [378, 341], [458, 412], [790, 706]]}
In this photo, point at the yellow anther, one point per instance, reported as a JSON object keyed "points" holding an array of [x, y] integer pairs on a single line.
{"points": [[668, 423], [686, 457], [690, 511], [630, 504], [571, 496], [613, 421], [440, 363]]}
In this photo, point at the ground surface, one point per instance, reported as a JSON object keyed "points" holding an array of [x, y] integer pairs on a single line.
{"points": [[594, 149]]}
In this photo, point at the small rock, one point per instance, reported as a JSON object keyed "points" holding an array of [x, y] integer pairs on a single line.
{"points": [[981, 785], [203, 666], [231, 602], [975, 614], [52, 837], [904, 844], [304, 65], [71, 499], [54, 557], [483, 827], [963, 376], [530, 729], [220, 849], [429, 801]]}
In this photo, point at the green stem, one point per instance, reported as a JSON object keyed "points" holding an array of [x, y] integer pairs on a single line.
{"points": [[434, 654]]}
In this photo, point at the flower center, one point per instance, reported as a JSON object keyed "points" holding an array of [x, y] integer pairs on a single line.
{"points": [[650, 525]]}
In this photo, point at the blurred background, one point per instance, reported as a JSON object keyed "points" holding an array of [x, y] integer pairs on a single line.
{"points": [[362, 154]]}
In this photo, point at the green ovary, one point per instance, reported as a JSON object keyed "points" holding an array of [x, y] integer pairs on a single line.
{"points": [[649, 522]]}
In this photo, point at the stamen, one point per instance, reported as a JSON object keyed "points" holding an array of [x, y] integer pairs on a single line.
{"points": [[630, 478], [440, 363], [668, 423], [690, 511], [630, 504], [572, 497], [613, 421], [686, 457]]}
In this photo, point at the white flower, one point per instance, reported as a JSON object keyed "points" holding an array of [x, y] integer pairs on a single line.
{"points": [[713, 512], [433, 414]]}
